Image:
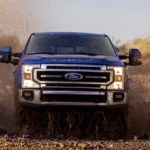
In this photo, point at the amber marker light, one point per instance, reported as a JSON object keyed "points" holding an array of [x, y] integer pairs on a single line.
{"points": [[118, 78], [27, 76]]}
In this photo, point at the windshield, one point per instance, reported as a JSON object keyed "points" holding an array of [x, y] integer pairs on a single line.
{"points": [[70, 44]]}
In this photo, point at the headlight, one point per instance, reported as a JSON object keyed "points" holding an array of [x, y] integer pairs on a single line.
{"points": [[27, 76], [118, 83]]}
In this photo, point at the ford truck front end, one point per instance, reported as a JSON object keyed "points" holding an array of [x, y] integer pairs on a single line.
{"points": [[71, 69]]}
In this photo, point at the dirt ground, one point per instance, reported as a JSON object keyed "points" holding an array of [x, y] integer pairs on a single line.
{"points": [[27, 143]]}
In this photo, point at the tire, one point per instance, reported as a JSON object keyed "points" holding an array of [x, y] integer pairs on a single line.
{"points": [[111, 124], [29, 120]]}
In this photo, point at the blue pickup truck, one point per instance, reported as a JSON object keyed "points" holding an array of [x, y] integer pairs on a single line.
{"points": [[70, 69]]}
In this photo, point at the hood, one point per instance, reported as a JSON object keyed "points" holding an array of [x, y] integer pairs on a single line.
{"points": [[71, 59]]}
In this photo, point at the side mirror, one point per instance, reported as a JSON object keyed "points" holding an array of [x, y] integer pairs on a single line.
{"points": [[17, 55], [15, 58], [15, 62], [5, 54], [135, 57]]}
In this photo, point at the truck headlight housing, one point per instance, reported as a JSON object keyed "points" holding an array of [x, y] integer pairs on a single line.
{"points": [[118, 83], [27, 76]]}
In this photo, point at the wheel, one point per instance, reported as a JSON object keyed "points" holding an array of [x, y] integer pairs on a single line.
{"points": [[111, 124], [29, 120]]}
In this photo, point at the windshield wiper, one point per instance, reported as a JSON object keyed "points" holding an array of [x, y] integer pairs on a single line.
{"points": [[48, 53], [86, 53]]}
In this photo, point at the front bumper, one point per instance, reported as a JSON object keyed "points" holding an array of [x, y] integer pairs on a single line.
{"points": [[37, 98]]}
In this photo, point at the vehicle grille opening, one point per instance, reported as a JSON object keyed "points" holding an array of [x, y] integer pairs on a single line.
{"points": [[75, 98], [60, 76]]}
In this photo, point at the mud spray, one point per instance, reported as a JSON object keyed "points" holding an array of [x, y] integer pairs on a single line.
{"points": [[15, 30]]}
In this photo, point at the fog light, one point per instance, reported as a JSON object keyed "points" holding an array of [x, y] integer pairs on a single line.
{"points": [[118, 97], [28, 95]]}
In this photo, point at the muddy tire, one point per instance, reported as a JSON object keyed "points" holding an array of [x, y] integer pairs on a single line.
{"points": [[103, 124], [111, 124], [29, 120]]}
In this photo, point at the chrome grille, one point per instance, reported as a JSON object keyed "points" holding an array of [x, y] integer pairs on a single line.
{"points": [[52, 77]]}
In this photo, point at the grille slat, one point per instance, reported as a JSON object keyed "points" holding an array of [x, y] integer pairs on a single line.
{"points": [[70, 70], [72, 67]]}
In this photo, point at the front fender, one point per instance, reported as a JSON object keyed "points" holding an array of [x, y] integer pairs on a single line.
{"points": [[126, 82], [17, 79]]}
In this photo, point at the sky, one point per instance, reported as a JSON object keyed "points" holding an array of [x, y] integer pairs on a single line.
{"points": [[122, 20]]}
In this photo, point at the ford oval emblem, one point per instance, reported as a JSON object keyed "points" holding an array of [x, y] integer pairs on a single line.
{"points": [[73, 76]]}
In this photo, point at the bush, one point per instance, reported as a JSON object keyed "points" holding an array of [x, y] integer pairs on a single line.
{"points": [[141, 43]]}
